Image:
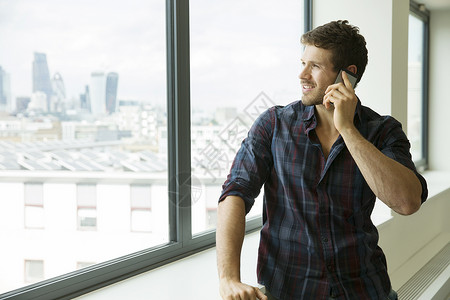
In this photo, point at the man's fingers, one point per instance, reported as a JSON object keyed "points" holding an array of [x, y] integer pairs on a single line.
{"points": [[260, 294], [331, 97], [347, 82], [328, 100], [240, 291]]}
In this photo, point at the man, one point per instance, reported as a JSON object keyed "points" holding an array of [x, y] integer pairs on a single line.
{"points": [[323, 161]]}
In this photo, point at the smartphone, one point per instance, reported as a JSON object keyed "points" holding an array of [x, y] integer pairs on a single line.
{"points": [[351, 76]]}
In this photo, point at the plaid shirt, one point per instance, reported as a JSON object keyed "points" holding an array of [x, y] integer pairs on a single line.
{"points": [[317, 237]]}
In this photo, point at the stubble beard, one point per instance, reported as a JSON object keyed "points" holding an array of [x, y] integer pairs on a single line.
{"points": [[313, 98]]}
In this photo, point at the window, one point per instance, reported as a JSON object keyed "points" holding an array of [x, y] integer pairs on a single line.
{"points": [[83, 113], [98, 111], [34, 206], [418, 83], [235, 75], [86, 207], [34, 271], [141, 208]]}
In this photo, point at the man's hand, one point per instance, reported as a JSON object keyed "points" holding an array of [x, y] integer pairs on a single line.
{"points": [[236, 290], [343, 97]]}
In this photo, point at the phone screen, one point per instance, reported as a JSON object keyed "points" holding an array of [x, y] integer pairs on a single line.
{"points": [[351, 76]]}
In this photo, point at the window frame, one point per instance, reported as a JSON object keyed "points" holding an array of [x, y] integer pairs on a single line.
{"points": [[423, 14], [181, 241], [32, 204], [31, 279], [86, 206]]}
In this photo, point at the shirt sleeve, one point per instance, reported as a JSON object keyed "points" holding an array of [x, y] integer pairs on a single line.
{"points": [[396, 146], [252, 163]]}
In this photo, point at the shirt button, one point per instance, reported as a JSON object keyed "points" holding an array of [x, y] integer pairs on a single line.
{"points": [[325, 240], [330, 267]]}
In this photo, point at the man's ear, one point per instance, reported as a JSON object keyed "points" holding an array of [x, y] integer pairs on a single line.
{"points": [[352, 68]]}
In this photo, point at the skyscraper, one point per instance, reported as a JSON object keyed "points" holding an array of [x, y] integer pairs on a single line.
{"points": [[98, 93], [112, 80], [85, 100], [58, 87], [60, 93], [22, 104], [41, 76], [5, 91]]}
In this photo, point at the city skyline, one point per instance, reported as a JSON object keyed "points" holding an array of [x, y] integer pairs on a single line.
{"points": [[52, 84], [49, 92], [79, 41]]}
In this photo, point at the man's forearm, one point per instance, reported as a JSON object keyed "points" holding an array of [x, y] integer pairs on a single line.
{"points": [[392, 183], [229, 237]]}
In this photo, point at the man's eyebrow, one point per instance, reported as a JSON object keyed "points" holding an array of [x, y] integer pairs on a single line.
{"points": [[311, 62]]}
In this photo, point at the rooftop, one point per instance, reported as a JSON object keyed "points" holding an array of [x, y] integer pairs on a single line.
{"points": [[77, 156]]}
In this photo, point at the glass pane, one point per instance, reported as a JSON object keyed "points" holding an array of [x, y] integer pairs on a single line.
{"points": [[82, 116], [244, 59], [34, 270], [415, 85], [87, 218]]}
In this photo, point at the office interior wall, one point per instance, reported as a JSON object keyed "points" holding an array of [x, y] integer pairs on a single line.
{"points": [[439, 98], [384, 24]]}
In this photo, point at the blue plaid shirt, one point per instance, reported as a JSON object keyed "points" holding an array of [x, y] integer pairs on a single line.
{"points": [[317, 237]]}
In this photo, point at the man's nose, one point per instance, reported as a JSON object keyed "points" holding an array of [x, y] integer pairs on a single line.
{"points": [[304, 74]]}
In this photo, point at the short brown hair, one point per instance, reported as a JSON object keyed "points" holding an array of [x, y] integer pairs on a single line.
{"points": [[345, 42]]}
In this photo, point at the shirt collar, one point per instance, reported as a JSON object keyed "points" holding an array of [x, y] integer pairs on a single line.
{"points": [[309, 117]]}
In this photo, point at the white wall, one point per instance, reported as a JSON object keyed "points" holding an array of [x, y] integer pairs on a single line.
{"points": [[439, 122], [384, 24]]}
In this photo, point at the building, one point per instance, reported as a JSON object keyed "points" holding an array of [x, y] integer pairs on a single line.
{"points": [[41, 77], [82, 194], [22, 104], [112, 80], [5, 91], [97, 93], [85, 100], [143, 122], [59, 100], [39, 103]]}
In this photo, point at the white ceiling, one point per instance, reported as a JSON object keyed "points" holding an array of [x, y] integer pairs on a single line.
{"points": [[435, 4]]}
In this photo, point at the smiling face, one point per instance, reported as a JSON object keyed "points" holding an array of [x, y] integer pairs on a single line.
{"points": [[316, 75]]}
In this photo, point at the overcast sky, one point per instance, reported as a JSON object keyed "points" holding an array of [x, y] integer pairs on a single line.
{"points": [[238, 48], [80, 37]]}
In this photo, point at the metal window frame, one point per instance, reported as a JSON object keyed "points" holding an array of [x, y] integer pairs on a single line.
{"points": [[307, 15], [420, 11], [181, 241]]}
